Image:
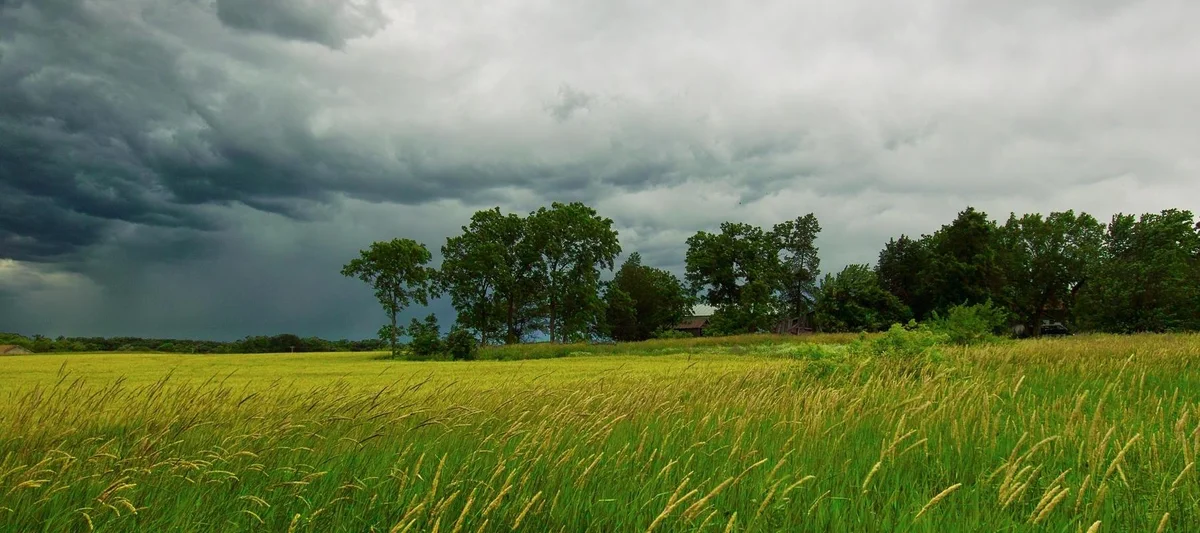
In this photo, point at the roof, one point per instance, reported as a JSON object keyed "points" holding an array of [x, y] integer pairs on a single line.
{"points": [[693, 322], [12, 349]]}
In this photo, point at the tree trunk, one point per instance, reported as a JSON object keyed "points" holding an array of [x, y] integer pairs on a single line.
{"points": [[482, 326], [553, 317], [392, 333], [511, 311]]}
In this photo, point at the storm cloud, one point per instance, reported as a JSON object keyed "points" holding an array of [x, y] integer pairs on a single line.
{"points": [[203, 167]]}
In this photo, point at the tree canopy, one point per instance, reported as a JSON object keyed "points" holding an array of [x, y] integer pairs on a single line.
{"points": [[396, 270], [642, 300]]}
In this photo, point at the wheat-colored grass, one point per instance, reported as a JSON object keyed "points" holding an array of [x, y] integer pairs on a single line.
{"points": [[1061, 435]]}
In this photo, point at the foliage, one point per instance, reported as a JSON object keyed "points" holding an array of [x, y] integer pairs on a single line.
{"points": [[510, 276], [912, 342], [799, 266], [666, 333], [853, 300], [1148, 278], [753, 277], [971, 324], [253, 344], [493, 275], [903, 269], [1047, 262], [396, 270], [460, 345], [966, 265], [572, 243], [641, 300], [962, 262], [426, 337]]}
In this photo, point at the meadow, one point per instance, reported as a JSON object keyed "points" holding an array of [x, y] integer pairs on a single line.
{"points": [[1089, 433]]}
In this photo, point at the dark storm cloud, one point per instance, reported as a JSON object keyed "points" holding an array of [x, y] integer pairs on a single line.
{"points": [[328, 22], [204, 166]]}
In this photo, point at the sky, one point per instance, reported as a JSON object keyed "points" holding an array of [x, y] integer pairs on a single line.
{"points": [[203, 168]]}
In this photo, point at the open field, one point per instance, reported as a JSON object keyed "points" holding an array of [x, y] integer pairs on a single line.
{"points": [[1052, 435]]}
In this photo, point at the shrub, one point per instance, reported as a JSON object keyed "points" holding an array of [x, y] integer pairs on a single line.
{"points": [[426, 340], [973, 324], [671, 334], [914, 341], [460, 345]]}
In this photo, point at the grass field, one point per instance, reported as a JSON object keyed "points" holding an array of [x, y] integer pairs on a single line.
{"points": [[1092, 433]]}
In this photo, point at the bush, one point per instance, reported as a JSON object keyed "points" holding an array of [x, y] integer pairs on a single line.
{"points": [[460, 345], [426, 338], [671, 334], [914, 341], [974, 324]]}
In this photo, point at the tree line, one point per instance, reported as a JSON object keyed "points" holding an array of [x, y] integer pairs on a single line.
{"points": [[285, 342], [512, 277]]}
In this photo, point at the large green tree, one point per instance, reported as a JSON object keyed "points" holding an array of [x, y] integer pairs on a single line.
{"points": [[1047, 260], [799, 266], [752, 276], [396, 270], [966, 266], [492, 272], [1148, 278], [903, 270], [641, 300], [573, 243], [853, 300], [737, 269]]}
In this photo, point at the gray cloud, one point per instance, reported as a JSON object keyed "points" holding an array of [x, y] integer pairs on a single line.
{"points": [[156, 153], [327, 22]]}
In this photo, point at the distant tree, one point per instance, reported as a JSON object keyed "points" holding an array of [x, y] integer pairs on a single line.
{"points": [[426, 336], [799, 266], [1148, 278], [738, 271], [641, 300], [903, 267], [1047, 261], [755, 312], [573, 243], [460, 345], [493, 273], [396, 269], [752, 276], [854, 300], [966, 265]]}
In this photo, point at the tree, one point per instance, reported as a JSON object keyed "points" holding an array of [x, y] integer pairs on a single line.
{"points": [[965, 266], [1047, 261], [396, 269], [751, 276], [426, 336], [1148, 278], [641, 300], [854, 300], [799, 264], [738, 271], [492, 272], [902, 270], [721, 264], [573, 243]]}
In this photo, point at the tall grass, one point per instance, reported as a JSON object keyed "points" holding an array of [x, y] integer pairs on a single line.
{"points": [[756, 343], [1055, 435]]}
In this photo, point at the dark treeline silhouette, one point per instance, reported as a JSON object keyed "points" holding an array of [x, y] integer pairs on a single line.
{"points": [[257, 344]]}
